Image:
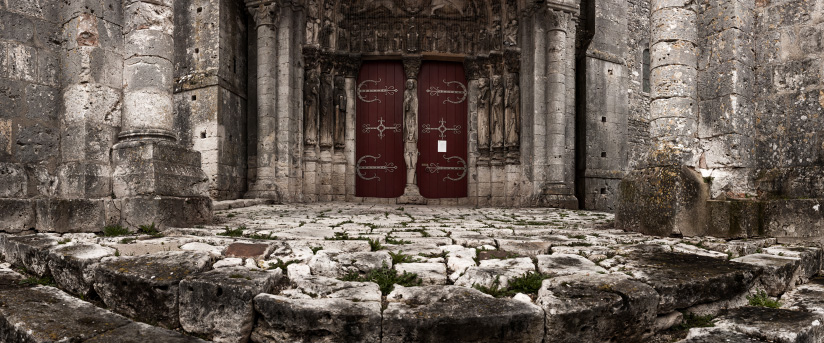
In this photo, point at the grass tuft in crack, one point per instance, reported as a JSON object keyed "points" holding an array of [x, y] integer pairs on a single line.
{"points": [[761, 299], [385, 277], [115, 230]]}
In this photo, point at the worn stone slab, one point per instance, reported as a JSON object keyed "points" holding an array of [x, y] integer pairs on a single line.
{"points": [[218, 304], [146, 287], [681, 284], [458, 314], [429, 273], [807, 297], [597, 308], [139, 332], [247, 250], [811, 259], [70, 266], [778, 273], [30, 252], [774, 325], [324, 287], [283, 319], [716, 335], [491, 271], [566, 264], [337, 264], [524, 248]]}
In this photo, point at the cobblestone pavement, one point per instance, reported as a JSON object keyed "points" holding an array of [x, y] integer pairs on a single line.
{"points": [[392, 273]]}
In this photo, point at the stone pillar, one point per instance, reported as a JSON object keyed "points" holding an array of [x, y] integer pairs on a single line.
{"points": [[351, 68], [472, 75], [157, 179], [265, 17], [411, 194], [552, 145], [666, 195]]}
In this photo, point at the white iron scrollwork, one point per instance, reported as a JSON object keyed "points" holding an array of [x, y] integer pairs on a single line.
{"points": [[434, 168], [381, 128], [442, 129], [388, 167], [390, 90], [435, 91]]}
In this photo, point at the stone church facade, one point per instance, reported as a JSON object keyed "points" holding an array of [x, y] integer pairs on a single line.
{"points": [[684, 117]]}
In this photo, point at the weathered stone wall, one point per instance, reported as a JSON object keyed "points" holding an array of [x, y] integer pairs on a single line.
{"points": [[29, 101], [210, 89], [789, 97], [603, 105], [638, 35]]}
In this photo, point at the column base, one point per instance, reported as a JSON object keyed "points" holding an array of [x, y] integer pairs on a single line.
{"points": [[260, 190], [556, 195], [411, 196], [157, 168]]}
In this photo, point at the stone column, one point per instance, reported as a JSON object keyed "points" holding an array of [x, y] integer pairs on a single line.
{"points": [[666, 195], [472, 75], [265, 16], [556, 39], [350, 72], [411, 194], [158, 180]]}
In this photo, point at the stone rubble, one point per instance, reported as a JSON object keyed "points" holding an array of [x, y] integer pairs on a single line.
{"points": [[324, 272]]}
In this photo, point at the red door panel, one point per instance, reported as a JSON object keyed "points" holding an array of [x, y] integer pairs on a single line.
{"points": [[442, 117], [380, 167]]}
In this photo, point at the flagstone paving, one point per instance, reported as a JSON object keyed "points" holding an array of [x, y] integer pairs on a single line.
{"points": [[370, 273]]}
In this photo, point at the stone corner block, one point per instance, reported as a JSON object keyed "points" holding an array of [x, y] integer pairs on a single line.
{"points": [[151, 168]]}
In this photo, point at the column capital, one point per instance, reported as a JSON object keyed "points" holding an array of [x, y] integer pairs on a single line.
{"points": [[558, 20], [264, 12], [411, 65]]}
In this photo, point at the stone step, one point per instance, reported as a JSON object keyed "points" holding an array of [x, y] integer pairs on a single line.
{"points": [[47, 314], [602, 285], [761, 324]]}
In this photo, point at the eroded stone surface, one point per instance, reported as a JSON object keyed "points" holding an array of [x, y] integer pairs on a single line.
{"points": [[283, 319], [146, 287], [218, 303], [453, 313], [597, 308]]}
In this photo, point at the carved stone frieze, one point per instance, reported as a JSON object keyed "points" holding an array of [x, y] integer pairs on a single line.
{"points": [[311, 57], [471, 68]]}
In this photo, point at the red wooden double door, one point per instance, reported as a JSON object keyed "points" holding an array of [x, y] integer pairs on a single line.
{"points": [[441, 169]]}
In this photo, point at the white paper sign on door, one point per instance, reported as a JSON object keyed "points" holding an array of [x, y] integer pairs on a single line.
{"points": [[441, 146]]}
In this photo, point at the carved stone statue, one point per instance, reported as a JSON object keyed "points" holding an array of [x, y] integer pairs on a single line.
{"points": [[412, 39], [513, 110], [326, 111], [340, 112], [449, 5], [312, 22], [497, 116], [410, 129], [483, 113], [310, 107]]}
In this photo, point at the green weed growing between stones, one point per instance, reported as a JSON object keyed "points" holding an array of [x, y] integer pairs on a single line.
{"points": [[115, 230], [375, 244], [391, 240], [761, 299], [35, 281], [232, 232], [386, 278], [281, 264], [316, 249], [267, 236], [692, 320], [528, 283], [400, 257], [149, 230]]}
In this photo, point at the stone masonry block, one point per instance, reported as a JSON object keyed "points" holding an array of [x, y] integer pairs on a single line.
{"points": [[166, 211], [13, 181], [673, 52], [75, 215], [157, 168], [674, 23], [727, 114], [218, 303], [727, 78], [84, 180], [17, 215], [674, 81], [146, 287]]}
